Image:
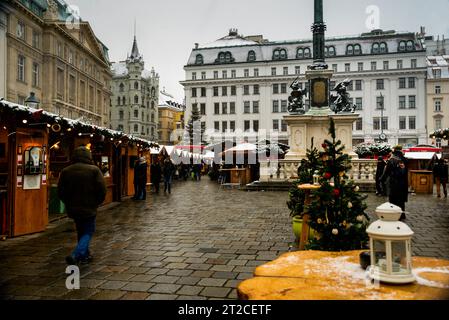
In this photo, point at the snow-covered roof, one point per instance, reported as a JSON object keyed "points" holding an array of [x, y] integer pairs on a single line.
{"points": [[229, 41], [120, 69], [240, 46]]}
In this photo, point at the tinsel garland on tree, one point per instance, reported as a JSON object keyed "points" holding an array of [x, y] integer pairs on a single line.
{"points": [[337, 212]]}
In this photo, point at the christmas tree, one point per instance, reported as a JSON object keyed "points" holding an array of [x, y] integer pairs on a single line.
{"points": [[337, 212], [306, 169], [194, 132]]}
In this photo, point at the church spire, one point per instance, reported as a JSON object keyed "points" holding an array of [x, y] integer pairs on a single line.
{"points": [[135, 51]]}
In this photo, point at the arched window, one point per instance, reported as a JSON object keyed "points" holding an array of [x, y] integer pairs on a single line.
{"points": [[122, 87], [123, 100], [283, 54], [402, 46], [120, 115], [153, 92], [199, 59], [357, 49], [410, 45], [383, 47], [136, 113], [276, 55], [307, 53], [143, 116], [228, 57], [136, 85], [350, 50], [152, 117], [300, 53], [118, 101], [152, 131], [251, 56], [330, 51], [136, 128], [375, 49], [136, 99], [152, 104]]}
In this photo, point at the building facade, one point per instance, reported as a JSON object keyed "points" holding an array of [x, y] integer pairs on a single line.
{"points": [[437, 94], [135, 97], [242, 84], [58, 58], [171, 120]]}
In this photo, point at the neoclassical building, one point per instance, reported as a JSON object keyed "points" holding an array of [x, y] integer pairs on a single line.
{"points": [[242, 83], [437, 94], [52, 53], [135, 90]]}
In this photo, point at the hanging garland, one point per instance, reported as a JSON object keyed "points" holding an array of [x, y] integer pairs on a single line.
{"points": [[11, 113], [440, 134]]}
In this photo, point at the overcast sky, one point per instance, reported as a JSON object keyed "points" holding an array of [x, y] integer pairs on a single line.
{"points": [[168, 29]]}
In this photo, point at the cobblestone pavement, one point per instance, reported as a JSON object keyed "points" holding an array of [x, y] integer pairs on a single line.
{"points": [[197, 243]]}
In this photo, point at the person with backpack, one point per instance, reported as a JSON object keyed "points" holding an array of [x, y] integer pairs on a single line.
{"points": [[397, 174], [440, 173]]}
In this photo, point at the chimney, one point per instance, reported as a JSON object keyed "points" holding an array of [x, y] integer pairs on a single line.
{"points": [[197, 45], [423, 31]]}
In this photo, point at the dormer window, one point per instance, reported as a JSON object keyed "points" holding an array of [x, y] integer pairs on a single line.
{"points": [[199, 59], [357, 49], [307, 53], [375, 48], [350, 50], [279, 54], [251, 56], [225, 57], [383, 47], [329, 51], [406, 46], [402, 46], [410, 45]]}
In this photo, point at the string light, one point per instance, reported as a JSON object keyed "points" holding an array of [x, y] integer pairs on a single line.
{"points": [[25, 121], [48, 125], [69, 129], [80, 134]]}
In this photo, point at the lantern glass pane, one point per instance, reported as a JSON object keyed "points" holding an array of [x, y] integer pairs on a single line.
{"points": [[399, 257], [380, 255]]}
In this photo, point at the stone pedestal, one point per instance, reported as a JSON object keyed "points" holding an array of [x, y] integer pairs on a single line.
{"points": [[302, 128]]}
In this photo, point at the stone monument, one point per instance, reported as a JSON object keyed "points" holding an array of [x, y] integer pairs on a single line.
{"points": [[315, 122]]}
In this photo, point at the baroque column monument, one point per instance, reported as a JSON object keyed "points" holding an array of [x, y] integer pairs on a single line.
{"points": [[302, 127]]}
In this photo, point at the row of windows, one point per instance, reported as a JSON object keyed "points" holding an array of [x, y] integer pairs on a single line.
{"points": [[21, 71], [121, 101], [380, 83], [305, 52], [121, 115], [382, 123], [136, 86], [278, 125], [286, 70], [136, 130]]}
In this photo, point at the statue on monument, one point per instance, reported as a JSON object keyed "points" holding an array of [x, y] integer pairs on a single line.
{"points": [[296, 99], [340, 102]]}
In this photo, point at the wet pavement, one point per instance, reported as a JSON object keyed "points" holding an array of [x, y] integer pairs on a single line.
{"points": [[197, 243]]}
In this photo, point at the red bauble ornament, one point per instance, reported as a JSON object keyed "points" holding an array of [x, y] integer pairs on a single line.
{"points": [[337, 192], [327, 175]]}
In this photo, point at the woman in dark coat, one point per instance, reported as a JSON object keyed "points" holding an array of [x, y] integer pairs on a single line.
{"points": [[440, 173], [397, 174], [140, 179]]}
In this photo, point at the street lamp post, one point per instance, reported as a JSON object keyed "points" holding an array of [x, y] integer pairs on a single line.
{"points": [[382, 136], [32, 101]]}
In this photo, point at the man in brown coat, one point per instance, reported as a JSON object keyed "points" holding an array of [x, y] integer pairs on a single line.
{"points": [[82, 189]]}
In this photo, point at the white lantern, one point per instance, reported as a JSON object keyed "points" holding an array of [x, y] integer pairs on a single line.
{"points": [[316, 178], [390, 246]]}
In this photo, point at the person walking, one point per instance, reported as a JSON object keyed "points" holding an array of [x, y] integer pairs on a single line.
{"points": [[397, 174], [380, 187], [82, 188], [140, 179], [440, 173], [156, 173], [168, 171]]}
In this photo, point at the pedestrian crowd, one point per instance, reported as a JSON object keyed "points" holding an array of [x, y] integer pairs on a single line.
{"points": [[392, 177]]}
